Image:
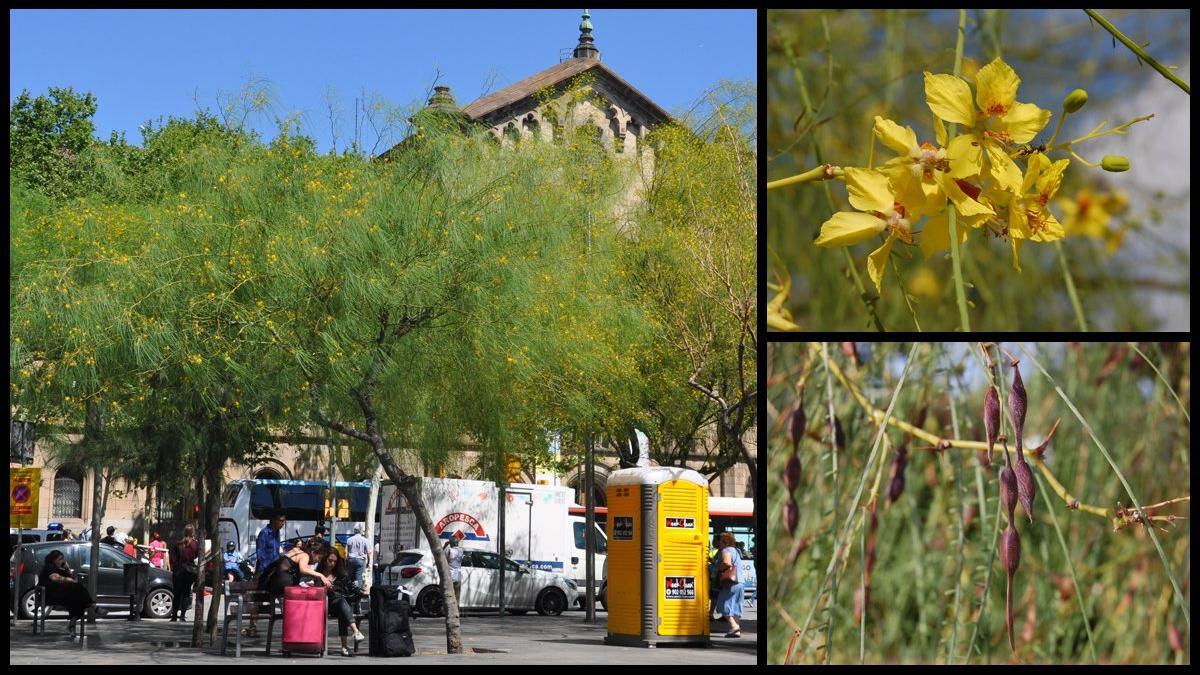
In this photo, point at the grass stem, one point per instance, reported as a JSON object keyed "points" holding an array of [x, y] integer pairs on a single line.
{"points": [[955, 257]]}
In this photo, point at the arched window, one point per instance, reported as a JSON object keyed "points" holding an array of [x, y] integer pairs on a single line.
{"points": [[532, 126], [511, 133], [68, 493], [267, 473]]}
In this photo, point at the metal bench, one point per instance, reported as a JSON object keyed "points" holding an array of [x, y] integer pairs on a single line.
{"points": [[244, 600]]}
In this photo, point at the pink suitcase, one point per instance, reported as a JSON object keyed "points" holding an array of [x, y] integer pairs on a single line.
{"points": [[304, 612]]}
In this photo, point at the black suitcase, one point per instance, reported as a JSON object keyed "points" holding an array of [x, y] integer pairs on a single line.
{"points": [[390, 633]]}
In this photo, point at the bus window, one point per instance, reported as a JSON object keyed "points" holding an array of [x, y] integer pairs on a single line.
{"points": [[299, 502], [229, 499]]}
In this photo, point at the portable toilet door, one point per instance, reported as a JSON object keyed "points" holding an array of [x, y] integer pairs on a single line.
{"points": [[657, 554]]}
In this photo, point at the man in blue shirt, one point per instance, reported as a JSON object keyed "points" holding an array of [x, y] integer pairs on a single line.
{"points": [[356, 555], [268, 548]]}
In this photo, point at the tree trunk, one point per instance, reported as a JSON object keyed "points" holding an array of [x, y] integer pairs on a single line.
{"points": [[213, 514], [198, 601], [93, 430], [370, 533]]}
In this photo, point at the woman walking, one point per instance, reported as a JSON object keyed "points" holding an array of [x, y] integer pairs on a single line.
{"points": [[183, 562], [732, 592]]}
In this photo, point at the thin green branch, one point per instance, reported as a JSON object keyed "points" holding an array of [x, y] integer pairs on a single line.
{"points": [[823, 172], [879, 434], [1062, 261], [1137, 49], [1149, 527], [951, 132], [1087, 625], [1182, 407]]}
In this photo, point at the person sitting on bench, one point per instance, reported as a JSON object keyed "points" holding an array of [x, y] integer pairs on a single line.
{"points": [[63, 589]]}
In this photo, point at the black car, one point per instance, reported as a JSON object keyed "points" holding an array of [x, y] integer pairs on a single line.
{"points": [[159, 598]]}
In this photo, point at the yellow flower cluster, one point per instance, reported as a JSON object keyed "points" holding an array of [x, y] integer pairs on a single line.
{"points": [[975, 171]]}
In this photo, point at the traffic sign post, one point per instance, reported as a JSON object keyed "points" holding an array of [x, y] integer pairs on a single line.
{"points": [[23, 490]]}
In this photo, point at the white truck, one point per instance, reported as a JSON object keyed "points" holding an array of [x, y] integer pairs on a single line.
{"points": [[538, 530]]}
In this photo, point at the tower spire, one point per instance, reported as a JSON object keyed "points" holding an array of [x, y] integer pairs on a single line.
{"points": [[586, 49]]}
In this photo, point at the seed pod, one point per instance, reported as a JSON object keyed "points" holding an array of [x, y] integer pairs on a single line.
{"points": [[1010, 558], [839, 436], [791, 515], [896, 487], [1025, 485], [991, 417], [791, 473], [1017, 403], [985, 460], [1008, 491], [798, 424], [851, 351]]}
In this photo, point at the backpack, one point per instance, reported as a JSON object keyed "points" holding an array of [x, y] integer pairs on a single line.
{"points": [[390, 634]]}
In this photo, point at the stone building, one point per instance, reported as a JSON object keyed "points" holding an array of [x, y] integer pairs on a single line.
{"points": [[538, 108]]}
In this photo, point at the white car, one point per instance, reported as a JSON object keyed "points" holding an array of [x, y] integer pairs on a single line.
{"points": [[525, 589]]}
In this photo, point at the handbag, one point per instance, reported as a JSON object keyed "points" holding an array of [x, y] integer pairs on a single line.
{"points": [[727, 576]]}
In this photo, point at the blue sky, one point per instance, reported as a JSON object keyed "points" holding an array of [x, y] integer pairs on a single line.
{"points": [[144, 63]]}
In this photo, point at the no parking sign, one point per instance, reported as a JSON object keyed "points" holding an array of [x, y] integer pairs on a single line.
{"points": [[23, 497]]}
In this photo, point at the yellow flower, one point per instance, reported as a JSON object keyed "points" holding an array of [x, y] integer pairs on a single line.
{"points": [[1089, 214], [1028, 217], [999, 121], [923, 174], [869, 191]]}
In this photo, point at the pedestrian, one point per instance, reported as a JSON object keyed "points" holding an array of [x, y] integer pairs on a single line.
{"points": [[110, 539], [343, 595], [86, 534], [268, 548], [298, 566], [731, 592], [158, 547], [713, 584], [131, 547], [454, 556], [64, 589], [233, 562], [356, 555], [186, 569]]}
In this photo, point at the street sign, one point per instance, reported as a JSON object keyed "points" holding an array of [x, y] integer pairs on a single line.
{"points": [[23, 490], [21, 438]]}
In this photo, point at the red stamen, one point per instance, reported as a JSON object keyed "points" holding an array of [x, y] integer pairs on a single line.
{"points": [[971, 190]]}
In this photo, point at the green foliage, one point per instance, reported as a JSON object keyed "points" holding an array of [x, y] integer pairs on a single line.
{"points": [[50, 141], [934, 547]]}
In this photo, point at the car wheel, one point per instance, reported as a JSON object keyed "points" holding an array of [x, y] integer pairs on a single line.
{"points": [[551, 602], [158, 604], [27, 605], [604, 597], [429, 601]]}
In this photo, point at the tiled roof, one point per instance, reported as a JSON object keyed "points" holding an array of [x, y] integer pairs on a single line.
{"points": [[551, 76]]}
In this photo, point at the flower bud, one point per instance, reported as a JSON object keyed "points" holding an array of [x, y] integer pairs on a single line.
{"points": [[1025, 485], [791, 473], [791, 515], [1008, 491], [1114, 163], [1075, 100]]}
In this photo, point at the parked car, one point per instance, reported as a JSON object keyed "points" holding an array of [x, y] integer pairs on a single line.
{"points": [[159, 597], [525, 589]]}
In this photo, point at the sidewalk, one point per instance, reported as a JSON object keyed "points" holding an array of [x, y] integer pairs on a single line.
{"points": [[486, 639]]}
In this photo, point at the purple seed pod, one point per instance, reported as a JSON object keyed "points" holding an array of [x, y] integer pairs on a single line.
{"points": [[791, 473], [1017, 403], [991, 417], [791, 515], [985, 460], [799, 423], [896, 487], [839, 436], [1025, 485], [1008, 491], [1010, 558]]}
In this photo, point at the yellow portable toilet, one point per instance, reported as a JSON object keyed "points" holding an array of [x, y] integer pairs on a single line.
{"points": [[657, 557]]}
